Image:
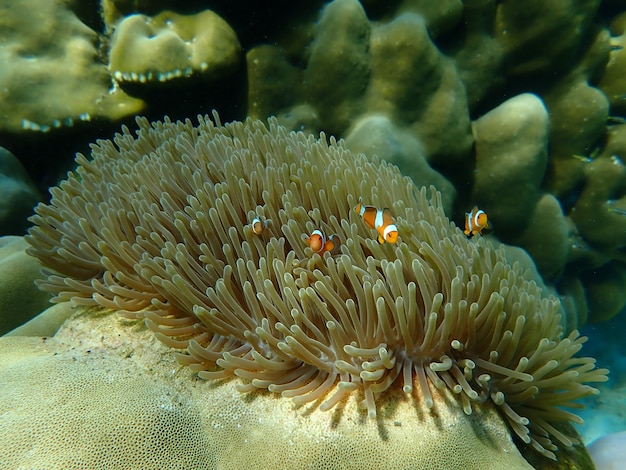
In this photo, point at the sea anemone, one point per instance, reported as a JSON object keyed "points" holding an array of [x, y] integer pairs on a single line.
{"points": [[158, 227]]}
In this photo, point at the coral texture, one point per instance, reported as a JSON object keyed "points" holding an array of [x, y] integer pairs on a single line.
{"points": [[158, 226], [410, 80], [50, 73], [120, 399], [18, 194], [513, 127], [170, 46], [20, 300]]}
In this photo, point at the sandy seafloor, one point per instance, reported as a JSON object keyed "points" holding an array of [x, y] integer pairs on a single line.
{"points": [[606, 413]]}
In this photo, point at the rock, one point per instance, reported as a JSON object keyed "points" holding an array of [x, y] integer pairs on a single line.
{"points": [[108, 387], [377, 135], [50, 72], [20, 300], [171, 46], [612, 82], [339, 56], [609, 452], [511, 159], [546, 237], [18, 195]]}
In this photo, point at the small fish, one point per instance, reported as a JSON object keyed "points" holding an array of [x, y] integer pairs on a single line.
{"points": [[592, 156], [379, 219], [475, 222], [615, 210], [319, 243], [259, 225]]}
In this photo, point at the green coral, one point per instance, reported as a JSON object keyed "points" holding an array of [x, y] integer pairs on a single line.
{"points": [[50, 73], [119, 397], [170, 46], [20, 300], [445, 75], [612, 82], [511, 159]]}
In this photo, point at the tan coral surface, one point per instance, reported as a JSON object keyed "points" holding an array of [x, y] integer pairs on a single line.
{"points": [[47, 55], [104, 393]]}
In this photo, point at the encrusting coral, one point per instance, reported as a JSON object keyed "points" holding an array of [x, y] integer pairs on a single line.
{"points": [[47, 55], [157, 226], [119, 397], [170, 46], [20, 300]]}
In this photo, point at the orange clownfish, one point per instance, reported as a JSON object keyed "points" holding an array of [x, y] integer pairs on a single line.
{"points": [[475, 222], [319, 243], [259, 225], [381, 220]]}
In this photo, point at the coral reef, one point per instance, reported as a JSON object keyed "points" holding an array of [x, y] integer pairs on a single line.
{"points": [[419, 84], [439, 88], [121, 400], [612, 83], [410, 72], [169, 46], [159, 227], [54, 73], [18, 194], [511, 156], [51, 84], [20, 300]]}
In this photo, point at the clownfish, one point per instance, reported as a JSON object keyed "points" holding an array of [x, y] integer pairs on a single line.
{"points": [[259, 225], [475, 222], [319, 243], [379, 219]]}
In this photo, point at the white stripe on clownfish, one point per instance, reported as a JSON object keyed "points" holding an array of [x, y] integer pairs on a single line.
{"points": [[318, 242], [258, 225], [379, 219], [475, 222]]}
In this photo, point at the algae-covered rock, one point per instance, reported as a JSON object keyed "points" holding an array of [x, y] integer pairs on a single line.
{"points": [[339, 56], [578, 115], [18, 195], [574, 302], [170, 46], [377, 135], [273, 82], [612, 82], [511, 159], [440, 16], [600, 210], [50, 72], [606, 291], [110, 389], [20, 300], [412, 82], [546, 237], [480, 56], [578, 118], [541, 37]]}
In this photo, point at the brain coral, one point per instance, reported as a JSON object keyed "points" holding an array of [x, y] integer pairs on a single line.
{"points": [[157, 226]]}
